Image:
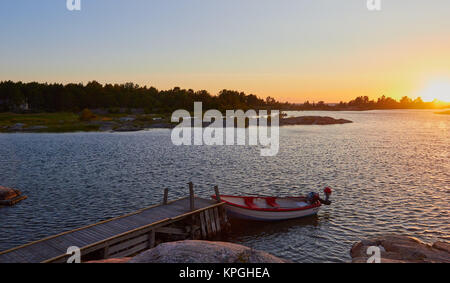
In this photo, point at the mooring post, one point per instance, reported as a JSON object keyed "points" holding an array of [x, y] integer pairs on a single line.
{"points": [[191, 195], [151, 239], [216, 189], [166, 196]]}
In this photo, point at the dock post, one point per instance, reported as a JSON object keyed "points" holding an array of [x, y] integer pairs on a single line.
{"points": [[216, 189], [151, 239], [166, 196], [191, 196]]}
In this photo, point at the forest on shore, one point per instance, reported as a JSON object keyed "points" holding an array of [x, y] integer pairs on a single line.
{"points": [[43, 97]]}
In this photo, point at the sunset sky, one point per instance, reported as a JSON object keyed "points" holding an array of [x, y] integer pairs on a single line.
{"points": [[293, 50]]}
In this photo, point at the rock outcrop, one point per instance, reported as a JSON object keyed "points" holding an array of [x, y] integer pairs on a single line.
{"points": [[192, 251], [312, 120], [10, 196], [7, 193], [401, 249]]}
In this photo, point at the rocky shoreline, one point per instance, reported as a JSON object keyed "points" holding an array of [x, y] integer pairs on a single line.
{"points": [[198, 251], [393, 249], [401, 249]]}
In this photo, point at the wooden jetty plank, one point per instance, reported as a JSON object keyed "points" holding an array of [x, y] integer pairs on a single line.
{"points": [[203, 225], [44, 250], [123, 224], [139, 218], [84, 236], [147, 227], [62, 248], [93, 234], [208, 224], [212, 222], [88, 226], [223, 212], [200, 202], [132, 251], [108, 241], [13, 258], [124, 245], [27, 256], [109, 233], [217, 219], [97, 233], [17, 257], [195, 212], [151, 239], [171, 230]]}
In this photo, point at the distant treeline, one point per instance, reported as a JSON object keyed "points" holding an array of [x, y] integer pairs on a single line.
{"points": [[39, 97]]}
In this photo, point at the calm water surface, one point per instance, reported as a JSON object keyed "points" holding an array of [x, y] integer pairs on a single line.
{"points": [[390, 172]]}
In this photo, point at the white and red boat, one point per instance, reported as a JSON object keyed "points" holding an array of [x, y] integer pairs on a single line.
{"points": [[274, 208]]}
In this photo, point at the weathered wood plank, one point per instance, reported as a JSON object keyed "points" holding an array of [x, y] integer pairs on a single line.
{"points": [[203, 225], [15, 257], [212, 223], [27, 256], [131, 228], [44, 250], [217, 220], [129, 243], [208, 224], [171, 230], [151, 239], [133, 250], [224, 215]]}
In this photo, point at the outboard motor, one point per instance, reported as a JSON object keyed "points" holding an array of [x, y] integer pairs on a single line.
{"points": [[327, 200], [313, 197]]}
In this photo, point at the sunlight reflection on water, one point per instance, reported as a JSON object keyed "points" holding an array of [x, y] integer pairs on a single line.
{"points": [[389, 169]]}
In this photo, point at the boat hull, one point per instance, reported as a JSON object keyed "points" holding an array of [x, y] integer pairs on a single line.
{"points": [[259, 215]]}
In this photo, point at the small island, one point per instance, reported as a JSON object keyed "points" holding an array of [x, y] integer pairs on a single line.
{"points": [[126, 121], [443, 112], [75, 107], [312, 120]]}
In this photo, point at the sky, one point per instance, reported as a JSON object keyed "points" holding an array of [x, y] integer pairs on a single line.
{"points": [[293, 50]]}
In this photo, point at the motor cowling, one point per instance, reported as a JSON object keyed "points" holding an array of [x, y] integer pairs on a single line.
{"points": [[327, 200], [313, 197]]}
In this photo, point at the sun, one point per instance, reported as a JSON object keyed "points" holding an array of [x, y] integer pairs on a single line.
{"points": [[436, 89]]}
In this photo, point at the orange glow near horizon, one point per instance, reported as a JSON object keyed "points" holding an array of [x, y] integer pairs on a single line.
{"points": [[436, 90], [294, 52]]}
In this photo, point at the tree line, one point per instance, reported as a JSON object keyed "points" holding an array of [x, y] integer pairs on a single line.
{"points": [[43, 97]]}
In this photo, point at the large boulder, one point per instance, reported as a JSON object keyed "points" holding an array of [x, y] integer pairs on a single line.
{"points": [[192, 251], [7, 193], [401, 249]]}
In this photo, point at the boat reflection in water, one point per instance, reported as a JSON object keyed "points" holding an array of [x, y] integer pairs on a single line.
{"points": [[242, 228]]}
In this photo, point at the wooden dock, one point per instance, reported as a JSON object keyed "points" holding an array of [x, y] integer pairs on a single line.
{"points": [[187, 218]]}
